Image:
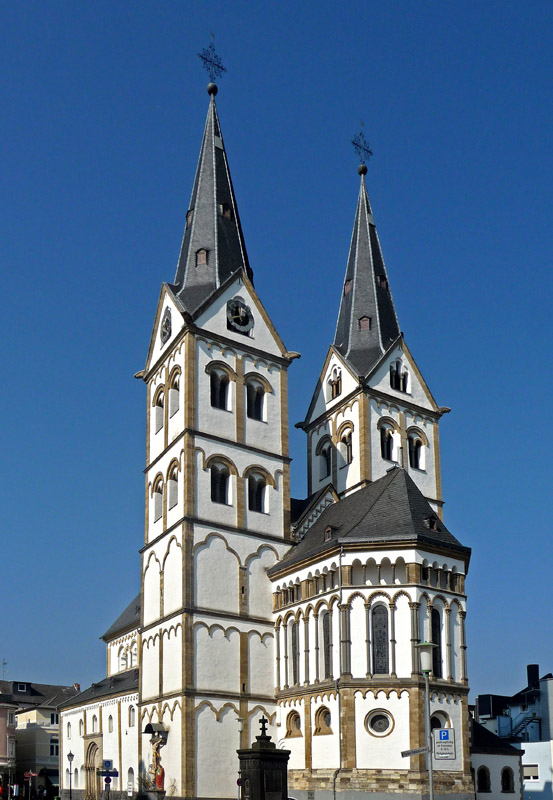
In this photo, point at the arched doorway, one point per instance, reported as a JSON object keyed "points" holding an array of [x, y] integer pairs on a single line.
{"points": [[92, 780]]}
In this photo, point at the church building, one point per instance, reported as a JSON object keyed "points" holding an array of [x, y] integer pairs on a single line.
{"points": [[307, 612]]}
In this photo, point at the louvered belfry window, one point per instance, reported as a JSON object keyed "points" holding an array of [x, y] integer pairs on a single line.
{"points": [[380, 640]]}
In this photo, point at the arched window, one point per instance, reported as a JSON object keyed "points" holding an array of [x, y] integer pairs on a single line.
{"points": [[323, 720], [132, 716], [219, 383], [386, 443], [122, 658], [507, 780], [174, 394], [394, 376], [346, 448], [69, 730], [110, 724], [94, 723], [483, 780], [415, 444], [436, 638], [257, 490], [158, 411], [76, 778], [399, 377], [293, 724], [255, 396], [326, 645], [158, 500], [81, 728], [220, 484], [380, 640], [173, 487], [134, 655], [335, 383], [130, 778], [295, 653], [325, 460]]}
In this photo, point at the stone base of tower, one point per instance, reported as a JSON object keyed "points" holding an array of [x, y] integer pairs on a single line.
{"points": [[353, 784]]}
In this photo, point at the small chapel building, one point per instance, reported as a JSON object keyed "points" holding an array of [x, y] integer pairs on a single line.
{"points": [[252, 604]]}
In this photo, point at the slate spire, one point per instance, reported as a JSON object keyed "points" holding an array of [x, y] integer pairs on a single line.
{"points": [[367, 321], [213, 245]]}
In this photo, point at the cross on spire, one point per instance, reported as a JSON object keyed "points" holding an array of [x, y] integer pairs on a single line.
{"points": [[211, 61], [361, 147], [263, 723]]}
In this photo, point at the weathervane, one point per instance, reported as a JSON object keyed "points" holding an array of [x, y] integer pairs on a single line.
{"points": [[361, 147], [211, 61]]}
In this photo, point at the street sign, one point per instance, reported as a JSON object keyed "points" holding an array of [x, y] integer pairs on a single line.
{"points": [[416, 752], [107, 781], [107, 764], [108, 773], [444, 743]]}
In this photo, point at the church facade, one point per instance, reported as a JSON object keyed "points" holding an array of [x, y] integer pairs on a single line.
{"points": [[252, 604]]}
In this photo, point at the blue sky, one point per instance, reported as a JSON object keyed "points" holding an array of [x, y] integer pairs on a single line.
{"points": [[103, 109]]}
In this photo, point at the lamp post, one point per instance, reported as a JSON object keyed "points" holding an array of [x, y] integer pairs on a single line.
{"points": [[70, 758], [425, 657]]}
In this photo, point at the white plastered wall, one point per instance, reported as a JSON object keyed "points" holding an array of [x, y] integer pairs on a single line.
{"points": [[382, 752], [214, 319], [495, 765]]}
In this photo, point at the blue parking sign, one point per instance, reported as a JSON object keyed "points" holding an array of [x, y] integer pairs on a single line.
{"points": [[444, 743]]}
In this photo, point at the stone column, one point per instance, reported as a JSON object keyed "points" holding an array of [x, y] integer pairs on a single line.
{"points": [[462, 615], [368, 637], [331, 641], [306, 648], [316, 619], [415, 668], [346, 641], [277, 637], [393, 640], [447, 623]]}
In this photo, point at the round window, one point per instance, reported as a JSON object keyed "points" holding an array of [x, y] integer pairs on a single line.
{"points": [[379, 723]]}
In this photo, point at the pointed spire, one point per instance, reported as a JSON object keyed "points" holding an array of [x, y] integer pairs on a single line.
{"points": [[213, 245], [367, 321]]}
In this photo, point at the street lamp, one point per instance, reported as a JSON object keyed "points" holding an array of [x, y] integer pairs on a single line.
{"points": [[425, 657], [70, 758]]}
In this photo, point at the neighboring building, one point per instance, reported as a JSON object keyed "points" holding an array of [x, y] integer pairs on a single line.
{"points": [[496, 765], [7, 739], [102, 721], [29, 727], [310, 618], [525, 720]]}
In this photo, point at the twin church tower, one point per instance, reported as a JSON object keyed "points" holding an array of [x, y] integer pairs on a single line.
{"points": [[252, 604]]}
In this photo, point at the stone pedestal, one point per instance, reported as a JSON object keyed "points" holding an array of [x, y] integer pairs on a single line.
{"points": [[264, 769]]}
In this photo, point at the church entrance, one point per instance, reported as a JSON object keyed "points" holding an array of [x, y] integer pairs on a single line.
{"points": [[92, 780]]}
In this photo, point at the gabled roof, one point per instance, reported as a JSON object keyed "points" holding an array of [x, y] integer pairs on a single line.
{"points": [[212, 223], [390, 510], [485, 741], [37, 695], [121, 683], [127, 620], [365, 293]]}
